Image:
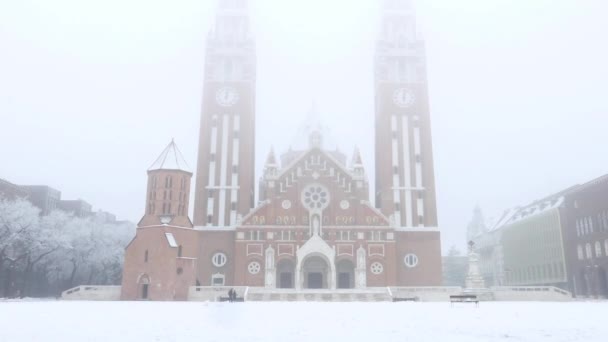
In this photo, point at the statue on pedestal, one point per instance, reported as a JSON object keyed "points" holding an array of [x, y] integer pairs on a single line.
{"points": [[474, 279]]}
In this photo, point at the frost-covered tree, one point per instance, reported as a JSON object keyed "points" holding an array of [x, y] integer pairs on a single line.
{"points": [[41, 256], [18, 222], [454, 268]]}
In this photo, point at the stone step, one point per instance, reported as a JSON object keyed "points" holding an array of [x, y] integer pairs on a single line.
{"points": [[269, 296]]}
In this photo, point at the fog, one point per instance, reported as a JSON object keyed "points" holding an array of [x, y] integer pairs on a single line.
{"points": [[92, 91]]}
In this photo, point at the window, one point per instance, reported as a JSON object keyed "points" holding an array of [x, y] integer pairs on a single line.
{"points": [[588, 250], [219, 259], [254, 267], [180, 271], [598, 249], [209, 219], [212, 157], [217, 279], [235, 169], [146, 256], [581, 255], [418, 159], [411, 260], [377, 268], [210, 193], [179, 251], [397, 206], [396, 170], [233, 206]]}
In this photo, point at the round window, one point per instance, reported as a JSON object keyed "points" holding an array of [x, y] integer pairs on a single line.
{"points": [[219, 259], [315, 197], [286, 204], [254, 267], [377, 268], [411, 260]]}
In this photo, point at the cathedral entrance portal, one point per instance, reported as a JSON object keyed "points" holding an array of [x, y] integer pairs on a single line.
{"points": [[315, 271]]}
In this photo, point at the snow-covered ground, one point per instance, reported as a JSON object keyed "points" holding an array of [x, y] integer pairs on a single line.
{"points": [[376, 322]]}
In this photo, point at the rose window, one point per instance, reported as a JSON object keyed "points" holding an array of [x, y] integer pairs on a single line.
{"points": [[315, 197], [254, 267], [377, 268]]}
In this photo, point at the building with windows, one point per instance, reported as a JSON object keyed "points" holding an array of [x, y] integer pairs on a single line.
{"points": [[44, 197], [79, 208], [525, 247], [561, 241], [586, 238], [12, 191], [314, 226]]}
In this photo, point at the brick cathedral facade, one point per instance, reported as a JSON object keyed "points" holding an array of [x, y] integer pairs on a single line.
{"points": [[314, 226]]}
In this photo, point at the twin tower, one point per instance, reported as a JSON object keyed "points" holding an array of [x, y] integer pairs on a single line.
{"points": [[315, 226], [225, 182]]}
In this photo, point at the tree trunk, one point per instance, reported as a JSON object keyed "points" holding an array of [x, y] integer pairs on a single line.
{"points": [[73, 275], [26, 277]]}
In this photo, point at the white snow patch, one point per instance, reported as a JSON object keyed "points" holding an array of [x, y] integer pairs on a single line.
{"points": [[150, 321]]}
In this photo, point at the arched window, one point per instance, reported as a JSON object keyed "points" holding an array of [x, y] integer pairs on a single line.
{"points": [[589, 251], [598, 249], [581, 256], [179, 251]]}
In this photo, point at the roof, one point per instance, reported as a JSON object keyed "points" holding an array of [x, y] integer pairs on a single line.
{"points": [[517, 214], [171, 159]]}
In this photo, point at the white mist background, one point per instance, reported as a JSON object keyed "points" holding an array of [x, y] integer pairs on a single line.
{"points": [[92, 91]]}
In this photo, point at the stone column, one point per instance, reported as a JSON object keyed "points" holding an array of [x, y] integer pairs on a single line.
{"points": [[270, 270], [361, 270]]}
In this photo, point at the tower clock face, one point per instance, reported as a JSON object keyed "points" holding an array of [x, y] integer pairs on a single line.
{"points": [[227, 97], [404, 97]]}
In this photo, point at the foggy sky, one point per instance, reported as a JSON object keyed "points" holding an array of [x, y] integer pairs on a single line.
{"points": [[92, 91]]}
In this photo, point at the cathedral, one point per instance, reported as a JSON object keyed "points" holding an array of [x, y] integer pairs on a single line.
{"points": [[315, 224]]}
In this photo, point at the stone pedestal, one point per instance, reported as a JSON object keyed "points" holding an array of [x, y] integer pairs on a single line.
{"points": [[474, 279]]}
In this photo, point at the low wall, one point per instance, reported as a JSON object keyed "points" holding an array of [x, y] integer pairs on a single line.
{"points": [[212, 294], [531, 293], [92, 293], [426, 294]]}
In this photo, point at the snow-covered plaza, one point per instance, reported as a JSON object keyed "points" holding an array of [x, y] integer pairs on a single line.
{"points": [[153, 321]]}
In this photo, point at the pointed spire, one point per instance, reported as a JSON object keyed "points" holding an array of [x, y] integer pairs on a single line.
{"points": [[357, 160], [272, 159], [170, 159]]}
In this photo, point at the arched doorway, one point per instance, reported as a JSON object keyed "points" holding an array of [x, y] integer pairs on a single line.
{"points": [[144, 286], [345, 270], [315, 272], [286, 274]]}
